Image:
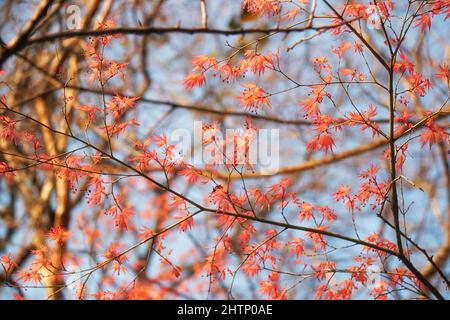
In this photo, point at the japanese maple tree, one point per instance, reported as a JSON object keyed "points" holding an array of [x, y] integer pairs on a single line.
{"points": [[100, 200]]}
